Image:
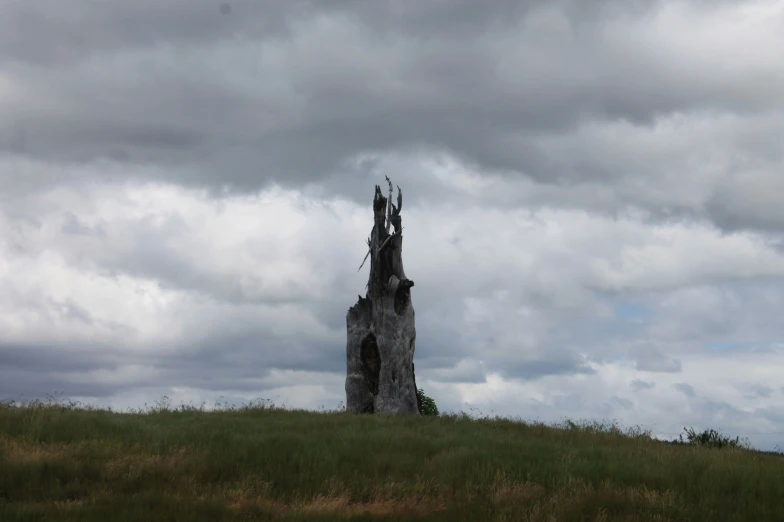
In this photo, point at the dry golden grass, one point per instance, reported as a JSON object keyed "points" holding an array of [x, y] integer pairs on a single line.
{"points": [[22, 452]]}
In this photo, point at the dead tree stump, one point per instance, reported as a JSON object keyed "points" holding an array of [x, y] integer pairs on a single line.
{"points": [[381, 333]]}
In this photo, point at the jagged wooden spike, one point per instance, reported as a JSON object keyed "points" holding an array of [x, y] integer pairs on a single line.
{"points": [[380, 327]]}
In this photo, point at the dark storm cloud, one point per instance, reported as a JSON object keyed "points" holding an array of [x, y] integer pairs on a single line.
{"points": [[772, 414], [649, 358], [53, 357], [685, 389], [756, 391], [238, 357], [23, 385], [464, 372], [68, 33], [74, 226], [249, 349], [638, 384], [750, 202], [34, 370], [290, 91], [526, 369], [620, 402], [82, 27]]}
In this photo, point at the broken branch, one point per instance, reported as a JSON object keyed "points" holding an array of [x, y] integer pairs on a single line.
{"points": [[389, 204], [379, 248]]}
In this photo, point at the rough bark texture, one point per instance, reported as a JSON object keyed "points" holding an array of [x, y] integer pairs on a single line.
{"points": [[381, 334]]}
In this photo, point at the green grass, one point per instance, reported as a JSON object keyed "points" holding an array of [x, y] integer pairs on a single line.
{"points": [[66, 463]]}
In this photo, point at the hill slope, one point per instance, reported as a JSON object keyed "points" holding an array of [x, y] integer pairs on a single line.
{"points": [[258, 463]]}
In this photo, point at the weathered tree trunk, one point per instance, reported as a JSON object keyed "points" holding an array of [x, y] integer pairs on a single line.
{"points": [[381, 333]]}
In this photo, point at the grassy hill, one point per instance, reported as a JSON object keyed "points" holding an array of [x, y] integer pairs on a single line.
{"points": [[259, 463]]}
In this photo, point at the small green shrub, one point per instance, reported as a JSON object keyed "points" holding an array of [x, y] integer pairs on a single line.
{"points": [[710, 438], [427, 405]]}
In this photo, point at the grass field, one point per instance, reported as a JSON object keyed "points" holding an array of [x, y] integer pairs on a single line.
{"points": [[64, 463]]}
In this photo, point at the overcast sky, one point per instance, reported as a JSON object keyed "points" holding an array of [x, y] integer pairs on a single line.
{"points": [[593, 202]]}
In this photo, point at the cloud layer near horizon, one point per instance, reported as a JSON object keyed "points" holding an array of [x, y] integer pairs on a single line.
{"points": [[591, 202]]}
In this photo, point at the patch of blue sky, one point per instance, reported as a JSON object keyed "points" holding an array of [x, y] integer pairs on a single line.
{"points": [[630, 311], [743, 346]]}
